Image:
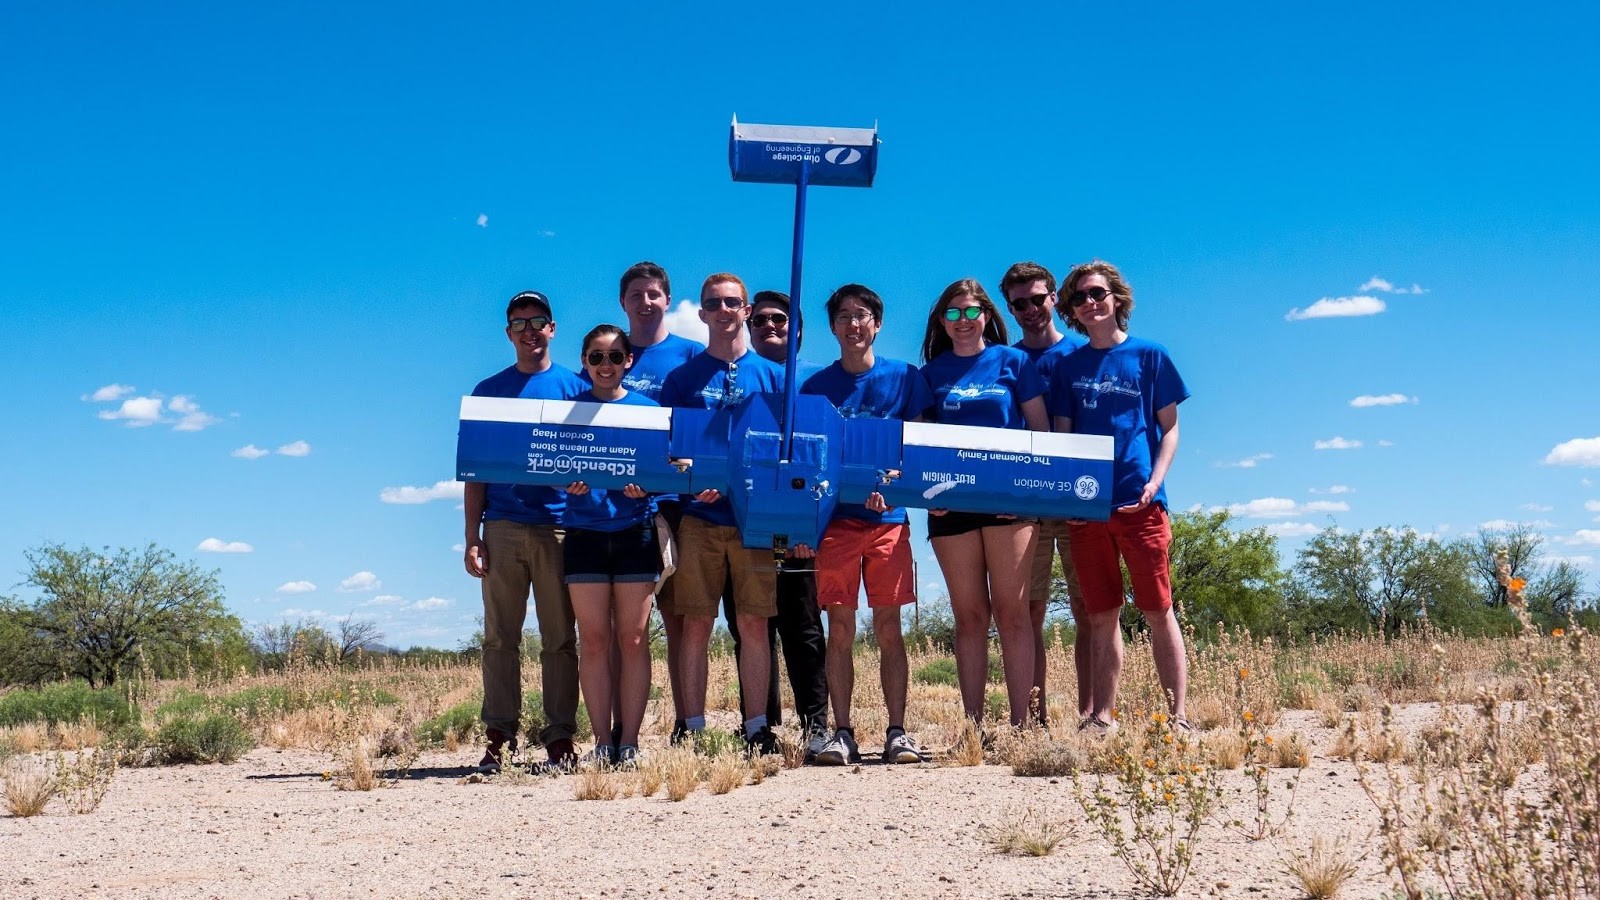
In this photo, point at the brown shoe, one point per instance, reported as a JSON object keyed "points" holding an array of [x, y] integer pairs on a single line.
{"points": [[562, 754], [500, 746]]}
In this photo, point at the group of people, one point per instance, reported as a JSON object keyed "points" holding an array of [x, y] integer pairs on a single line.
{"points": [[593, 558]]}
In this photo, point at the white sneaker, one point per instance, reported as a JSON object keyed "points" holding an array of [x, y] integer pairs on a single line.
{"points": [[840, 750], [814, 744], [901, 748]]}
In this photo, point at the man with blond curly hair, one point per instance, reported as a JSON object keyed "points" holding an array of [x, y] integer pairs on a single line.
{"points": [[1128, 388]]}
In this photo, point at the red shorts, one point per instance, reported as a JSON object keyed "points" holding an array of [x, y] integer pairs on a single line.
{"points": [[852, 548], [1141, 541]]}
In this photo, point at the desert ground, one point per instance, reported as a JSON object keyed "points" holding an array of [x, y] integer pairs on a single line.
{"points": [[317, 809]]}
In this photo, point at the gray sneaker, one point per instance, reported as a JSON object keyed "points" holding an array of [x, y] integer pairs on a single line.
{"points": [[901, 748], [815, 741], [840, 750]]}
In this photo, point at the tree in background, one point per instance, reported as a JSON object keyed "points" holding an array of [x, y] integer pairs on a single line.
{"points": [[101, 613], [1225, 577], [1522, 546], [1388, 579]]}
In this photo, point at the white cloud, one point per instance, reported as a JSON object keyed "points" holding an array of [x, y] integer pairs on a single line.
{"points": [[383, 600], [296, 587], [547, 233], [441, 490], [432, 603], [360, 581], [1283, 508], [1385, 443], [298, 448], [1338, 308], [108, 394], [483, 220], [1249, 462], [1507, 524], [459, 548], [1540, 507], [683, 320], [1576, 452], [190, 416], [1333, 489], [217, 545], [1386, 286], [1366, 400], [295, 612], [136, 411], [1337, 443], [250, 451], [1291, 529], [1583, 537], [1582, 561], [139, 412]]}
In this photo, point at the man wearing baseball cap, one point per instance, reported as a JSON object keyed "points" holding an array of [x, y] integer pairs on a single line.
{"points": [[513, 541]]}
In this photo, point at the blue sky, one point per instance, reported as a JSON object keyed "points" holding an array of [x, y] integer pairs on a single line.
{"points": [[294, 229]]}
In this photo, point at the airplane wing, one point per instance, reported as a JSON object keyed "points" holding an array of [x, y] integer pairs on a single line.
{"points": [[780, 502]]}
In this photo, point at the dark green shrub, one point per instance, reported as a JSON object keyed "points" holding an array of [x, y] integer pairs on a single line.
{"points": [[67, 702], [185, 704], [940, 671], [218, 738], [458, 720]]}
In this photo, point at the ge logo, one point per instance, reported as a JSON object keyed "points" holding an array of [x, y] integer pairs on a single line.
{"points": [[1087, 488], [843, 156]]}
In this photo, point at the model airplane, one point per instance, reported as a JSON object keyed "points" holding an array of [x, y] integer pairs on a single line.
{"points": [[785, 460]]}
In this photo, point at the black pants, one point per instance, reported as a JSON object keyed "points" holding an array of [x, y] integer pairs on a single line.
{"points": [[798, 626]]}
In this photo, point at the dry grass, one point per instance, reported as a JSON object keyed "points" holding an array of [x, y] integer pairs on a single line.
{"points": [[1290, 751], [725, 772], [968, 747], [681, 773], [1323, 869], [1026, 831], [1035, 755], [596, 782], [1225, 749], [30, 783]]}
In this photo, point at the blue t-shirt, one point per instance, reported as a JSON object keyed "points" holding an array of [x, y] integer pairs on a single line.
{"points": [[609, 510], [891, 389], [520, 502], [1117, 392], [706, 382], [1047, 359], [652, 365], [986, 389]]}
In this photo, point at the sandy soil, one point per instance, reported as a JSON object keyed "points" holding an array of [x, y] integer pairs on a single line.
{"points": [[271, 826]]}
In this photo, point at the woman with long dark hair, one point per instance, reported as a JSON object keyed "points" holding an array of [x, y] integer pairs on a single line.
{"points": [[977, 380]]}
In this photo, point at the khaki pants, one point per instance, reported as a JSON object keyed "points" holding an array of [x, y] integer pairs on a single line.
{"points": [[1054, 541], [519, 556]]}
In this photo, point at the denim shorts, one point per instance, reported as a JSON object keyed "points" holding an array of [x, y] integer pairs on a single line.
{"points": [[612, 557]]}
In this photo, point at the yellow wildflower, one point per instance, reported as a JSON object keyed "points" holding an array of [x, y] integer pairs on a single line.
{"points": [[1249, 716]]}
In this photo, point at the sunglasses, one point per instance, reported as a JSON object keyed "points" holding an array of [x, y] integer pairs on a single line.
{"points": [[1097, 293], [712, 304], [615, 357], [1020, 304], [954, 314], [537, 323], [761, 319]]}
